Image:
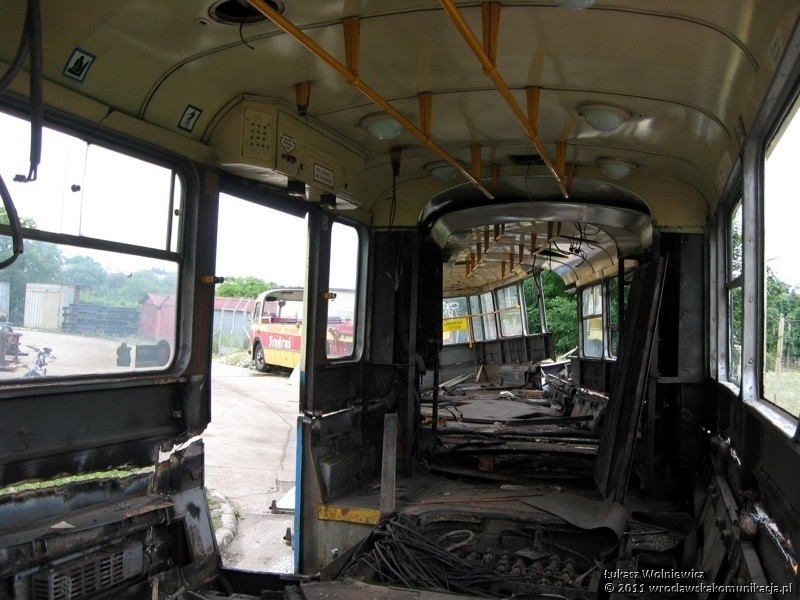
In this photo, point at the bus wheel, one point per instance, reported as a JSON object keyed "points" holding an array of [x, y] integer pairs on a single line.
{"points": [[258, 356]]}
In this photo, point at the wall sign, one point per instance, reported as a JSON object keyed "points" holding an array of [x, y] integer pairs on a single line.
{"points": [[189, 118], [78, 65]]}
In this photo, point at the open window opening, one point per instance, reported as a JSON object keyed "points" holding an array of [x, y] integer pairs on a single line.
{"points": [[781, 365]]}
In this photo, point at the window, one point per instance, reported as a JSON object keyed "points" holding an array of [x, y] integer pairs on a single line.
{"points": [[97, 283], [476, 318], [489, 316], [734, 287], [509, 310], [455, 326], [341, 337], [781, 365], [592, 321], [531, 288], [613, 312]]}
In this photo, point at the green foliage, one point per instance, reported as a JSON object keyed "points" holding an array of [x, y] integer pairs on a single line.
{"points": [[43, 262], [39, 263], [244, 287], [128, 290], [561, 310]]}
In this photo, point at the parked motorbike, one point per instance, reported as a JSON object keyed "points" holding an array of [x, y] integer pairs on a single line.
{"points": [[39, 366]]}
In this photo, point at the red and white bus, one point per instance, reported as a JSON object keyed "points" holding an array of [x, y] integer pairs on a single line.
{"points": [[275, 331]]}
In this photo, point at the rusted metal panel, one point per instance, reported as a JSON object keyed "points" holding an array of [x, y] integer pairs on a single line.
{"points": [[615, 455]]}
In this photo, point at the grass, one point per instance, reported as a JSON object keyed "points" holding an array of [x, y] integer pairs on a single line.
{"points": [[236, 358], [788, 390], [213, 509], [59, 481]]}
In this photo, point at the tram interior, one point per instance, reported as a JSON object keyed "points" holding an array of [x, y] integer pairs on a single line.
{"points": [[465, 148]]}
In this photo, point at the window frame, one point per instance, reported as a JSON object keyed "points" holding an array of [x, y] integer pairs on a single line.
{"points": [[519, 308], [584, 317], [359, 309], [730, 284], [180, 247]]}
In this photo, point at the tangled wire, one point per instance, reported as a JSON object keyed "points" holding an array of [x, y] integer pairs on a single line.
{"points": [[398, 553]]}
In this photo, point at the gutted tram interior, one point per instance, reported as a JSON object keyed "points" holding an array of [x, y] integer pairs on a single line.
{"points": [[470, 147]]}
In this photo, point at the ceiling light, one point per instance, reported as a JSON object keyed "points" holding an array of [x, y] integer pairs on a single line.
{"points": [[382, 126], [616, 168], [442, 170], [575, 4], [603, 117]]}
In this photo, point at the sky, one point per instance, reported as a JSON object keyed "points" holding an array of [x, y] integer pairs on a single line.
{"points": [[782, 206], [253, 240], [271, 245]]}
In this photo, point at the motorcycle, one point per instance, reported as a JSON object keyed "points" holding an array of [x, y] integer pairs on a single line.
{"points": [[39, 366]]}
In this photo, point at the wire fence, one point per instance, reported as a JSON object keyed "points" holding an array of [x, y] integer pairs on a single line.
{"points": [[782, 367], [232, 328]]}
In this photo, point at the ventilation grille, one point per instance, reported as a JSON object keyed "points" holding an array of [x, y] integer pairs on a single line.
{"points": [[88, 576], [344, 472]]}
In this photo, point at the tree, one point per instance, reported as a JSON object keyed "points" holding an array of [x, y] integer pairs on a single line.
{"points": [[40, 262], [128, 290], [85, 272], [244, 287], [561, 310]]}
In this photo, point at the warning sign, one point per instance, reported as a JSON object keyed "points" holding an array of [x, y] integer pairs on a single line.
{"points": [[189, 118], [288, 143], [323, 175], [78, 65]]}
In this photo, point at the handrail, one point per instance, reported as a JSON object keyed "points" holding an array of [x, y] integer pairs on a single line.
{"points": [[490, 68], [353, 79]]}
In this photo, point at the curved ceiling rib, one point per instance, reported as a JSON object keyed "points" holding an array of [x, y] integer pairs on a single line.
{"points": [[352, 78]]}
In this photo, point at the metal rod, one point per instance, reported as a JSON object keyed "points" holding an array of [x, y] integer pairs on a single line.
{"points": [[352, 78], [491, 70], [388, 464]]}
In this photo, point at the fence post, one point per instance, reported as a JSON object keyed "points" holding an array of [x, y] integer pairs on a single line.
{"points": [[779, 357]]}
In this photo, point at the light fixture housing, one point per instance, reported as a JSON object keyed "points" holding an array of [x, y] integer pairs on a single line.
{"points": [[382, 126], [603, 117], [441, 170], [616, 168], [575, 4]]}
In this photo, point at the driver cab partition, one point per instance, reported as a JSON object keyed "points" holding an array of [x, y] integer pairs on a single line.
{"points": [[345, 400]]}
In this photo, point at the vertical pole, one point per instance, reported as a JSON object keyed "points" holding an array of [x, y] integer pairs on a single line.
{"points": [[388, 464], [412, 410], [620, 294], [435, 425]]}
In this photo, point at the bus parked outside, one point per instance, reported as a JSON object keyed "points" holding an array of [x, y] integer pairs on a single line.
{"points": [[276, 330]]}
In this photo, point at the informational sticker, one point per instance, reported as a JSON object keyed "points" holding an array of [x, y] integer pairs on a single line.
{"points": [[456, 324], [288, 143], [323, 175], [189, 118], [78, 65]]}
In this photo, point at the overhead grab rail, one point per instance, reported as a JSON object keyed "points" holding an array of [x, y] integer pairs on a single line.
{"points": [[350, 74], [486, 54]]}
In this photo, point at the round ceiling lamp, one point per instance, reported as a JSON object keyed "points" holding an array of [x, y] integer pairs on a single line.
{"points": [[603, 117], [442, 170], [616, 168], [382, 126]]}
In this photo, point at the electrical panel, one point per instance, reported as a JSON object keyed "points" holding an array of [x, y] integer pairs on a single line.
{"points": [[261, 141]]}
